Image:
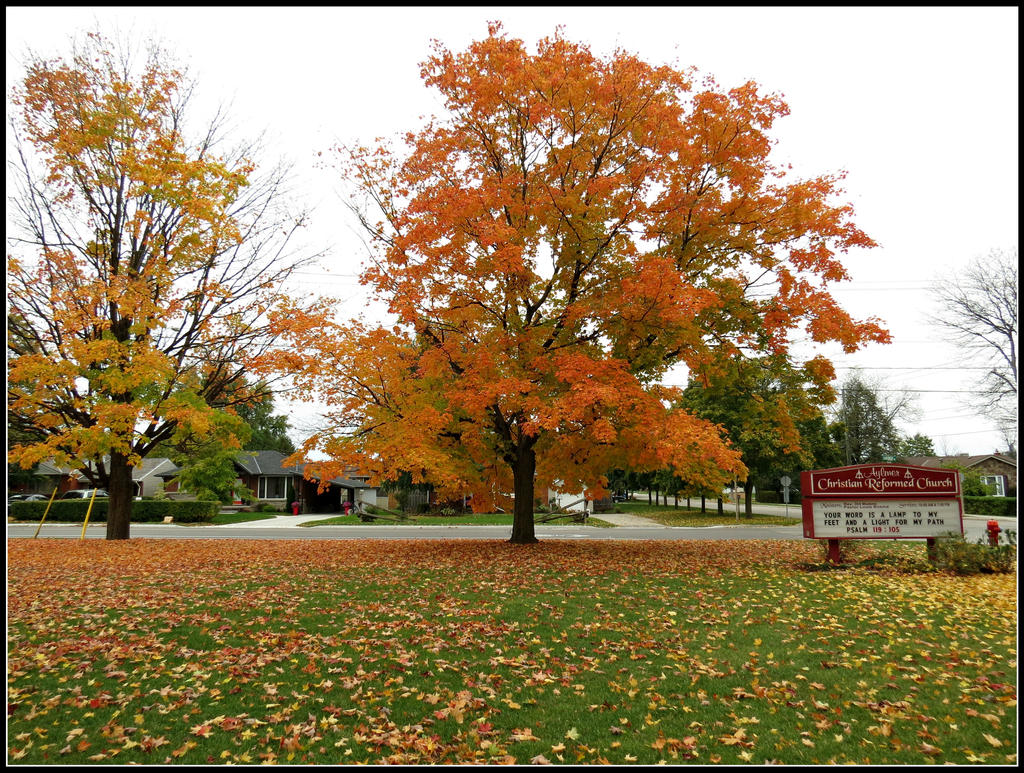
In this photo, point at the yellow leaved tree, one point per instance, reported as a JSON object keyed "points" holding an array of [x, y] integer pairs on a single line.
{"points": [[148, 264]]}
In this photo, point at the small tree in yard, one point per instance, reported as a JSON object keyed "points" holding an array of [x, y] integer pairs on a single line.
{"points": [[146, 268], [207, 464], [570, 230], [970, 481], [764, 404]]}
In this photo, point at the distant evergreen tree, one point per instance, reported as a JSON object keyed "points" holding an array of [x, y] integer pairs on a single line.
{"points": [[916, 445], [269, 430], [866, 415]]}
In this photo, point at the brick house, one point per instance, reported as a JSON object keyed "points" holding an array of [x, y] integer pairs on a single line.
{"points": [[998, 470]]}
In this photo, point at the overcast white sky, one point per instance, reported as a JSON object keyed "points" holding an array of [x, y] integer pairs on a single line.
{"points": [[918, 105]]}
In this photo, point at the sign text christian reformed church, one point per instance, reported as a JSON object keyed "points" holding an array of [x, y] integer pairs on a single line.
{"points": [[881, 501]]}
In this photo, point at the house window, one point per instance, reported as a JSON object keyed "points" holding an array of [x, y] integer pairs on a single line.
{"points": [[272, 488], [997, 481]]}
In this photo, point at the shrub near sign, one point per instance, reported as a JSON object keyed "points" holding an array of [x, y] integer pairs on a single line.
{"points": [[880, 501]]}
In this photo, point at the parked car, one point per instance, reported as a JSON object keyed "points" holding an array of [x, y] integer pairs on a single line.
{"points": [[27, 498], [620, 498], [83, 493]]}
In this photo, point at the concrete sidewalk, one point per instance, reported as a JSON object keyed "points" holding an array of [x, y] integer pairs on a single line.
{"points": [[277, 522], [624, 519]]}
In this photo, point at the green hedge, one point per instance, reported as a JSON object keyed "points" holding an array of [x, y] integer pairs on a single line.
{"points": [[144, 511], [1000, 506], [775, 498]]}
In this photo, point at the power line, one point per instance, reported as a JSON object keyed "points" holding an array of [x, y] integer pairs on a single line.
{"points": [[909, 367], [885, 282], [936, 391], [973, 432], [954, 417], [946, 391], [840, 289]]}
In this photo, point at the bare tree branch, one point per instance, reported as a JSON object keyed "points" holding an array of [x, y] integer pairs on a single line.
{"points": [[979, 310]]}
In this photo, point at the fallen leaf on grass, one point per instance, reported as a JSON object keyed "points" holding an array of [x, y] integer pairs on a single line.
{"points": [[736, 738], [183, 748]]}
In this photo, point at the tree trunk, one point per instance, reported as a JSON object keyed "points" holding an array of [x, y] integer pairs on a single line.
{"points": [[703, 503], [720, 506], [522, 514], [748, 491], [121, 491]]}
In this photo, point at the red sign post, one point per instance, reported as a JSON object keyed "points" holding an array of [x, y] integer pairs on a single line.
{"points": [[880, 501]]}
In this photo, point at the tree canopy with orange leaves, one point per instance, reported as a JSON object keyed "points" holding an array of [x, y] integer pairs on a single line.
{"points": [[148, 267], [572, 228]]}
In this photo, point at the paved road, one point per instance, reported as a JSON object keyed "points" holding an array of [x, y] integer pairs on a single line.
{"points": [[287, 527], [268, 530]]}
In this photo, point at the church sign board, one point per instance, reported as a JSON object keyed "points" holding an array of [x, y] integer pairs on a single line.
{"points": [[880, 501]]}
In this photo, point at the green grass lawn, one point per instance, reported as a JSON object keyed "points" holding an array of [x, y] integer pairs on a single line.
{"points": [[325, 652], [683, 516], [223, 518]]}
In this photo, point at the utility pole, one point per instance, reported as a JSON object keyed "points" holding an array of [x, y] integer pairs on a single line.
{"points": [[846, 424]]}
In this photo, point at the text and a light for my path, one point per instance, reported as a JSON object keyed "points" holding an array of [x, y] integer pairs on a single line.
{"points": [[884, 518]]}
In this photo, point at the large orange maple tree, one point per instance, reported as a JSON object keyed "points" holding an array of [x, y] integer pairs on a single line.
{"points": [[570, 230], [148, 267]]}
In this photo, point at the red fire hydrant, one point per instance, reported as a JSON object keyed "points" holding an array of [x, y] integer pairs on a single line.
{"points": [[295, 508], [992, 527]]}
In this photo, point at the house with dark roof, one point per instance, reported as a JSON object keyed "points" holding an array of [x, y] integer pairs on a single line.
{"points": [[996, 470], [268, 479], [146, 477]]}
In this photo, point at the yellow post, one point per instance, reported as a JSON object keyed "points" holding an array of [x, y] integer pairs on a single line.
{"points": [[45, 512], [87, 512]]}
